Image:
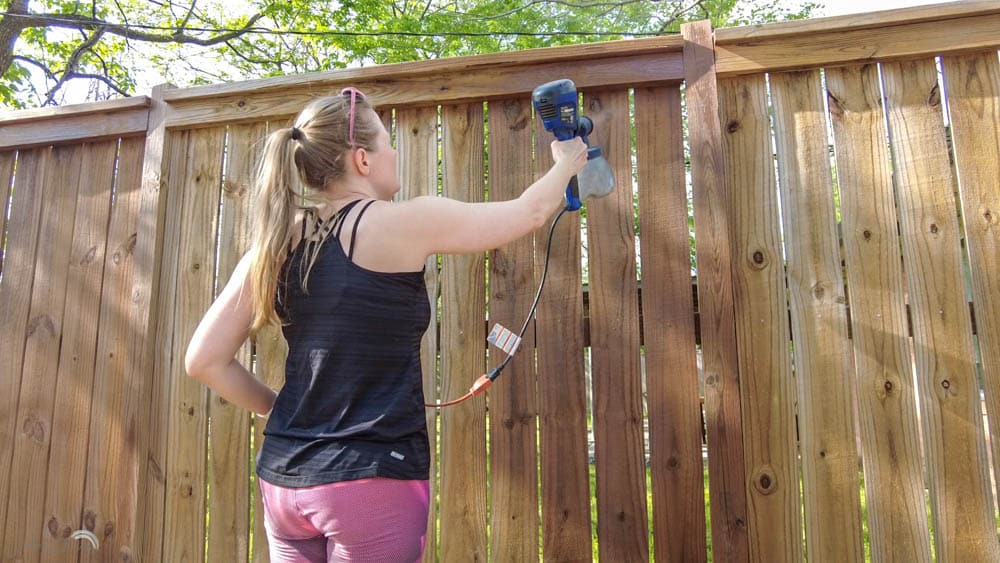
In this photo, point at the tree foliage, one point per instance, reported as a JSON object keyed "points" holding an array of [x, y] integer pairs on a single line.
{"points": [[111, 45]]}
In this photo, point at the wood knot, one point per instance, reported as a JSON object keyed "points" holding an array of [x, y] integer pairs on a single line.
{"points": [[822, 453], [867, 234], [508, 423], [621, 516], [888, 387], [43, 322], [934, 228], [673, 462], [712, 380], [53, 527], [89, 519], [126, 555], [765, 482], [759, 261], [818, 291], [89, 256], [946, 384], [934, 99], [109, 530], [733, 126], [241, 103], [34, 429]]}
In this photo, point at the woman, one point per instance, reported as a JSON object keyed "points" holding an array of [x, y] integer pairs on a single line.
{"points": [[343, 470]]}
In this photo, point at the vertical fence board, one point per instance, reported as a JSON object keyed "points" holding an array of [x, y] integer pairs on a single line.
{"points": [[463, 353], [723, 419], [152, 318], [417, 144], [767, 388], [35, 406], [23, 234], [890, 442], [668, 330], [823, 356], [113, 456], [7, 160], [229, 437], [67, 461], [961, 499], [512, 401], [562, 393], [973, 88], [271, 351], [186, 470], [622, 523]]}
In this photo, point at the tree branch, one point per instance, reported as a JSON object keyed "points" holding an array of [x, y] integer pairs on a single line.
{"points": [[72, 63], [72, 21]]}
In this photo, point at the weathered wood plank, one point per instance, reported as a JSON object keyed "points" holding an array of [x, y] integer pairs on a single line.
{"points": [[45, 329], [622, 523], [954, 446], [512, 400], [26, 206], [67, 461], [463, 354], [739, 54], [229, 438], [187, 429], [562, 384], [417, 145], [824, 363], [668, 330], [766, 385], [723, 419], [153, 317], [113, 459], [973, 88], [890, 442]]}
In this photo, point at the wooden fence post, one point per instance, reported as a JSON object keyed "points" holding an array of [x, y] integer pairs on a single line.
{"points": [[723, 416]]}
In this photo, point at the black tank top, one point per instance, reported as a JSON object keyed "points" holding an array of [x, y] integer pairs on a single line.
{"points": [[352, 405]]}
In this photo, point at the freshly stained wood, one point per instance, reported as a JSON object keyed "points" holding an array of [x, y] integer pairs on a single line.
{"points": [[740, 55], [454, 85], [767, 387], [512, 406], [67, 461], [622, 523], [818, 303], [31, 445], [973, 88], [668, 329], [109, 503], [186, 471], [22, 238], [964, 526], [463, 352], [229, 439], [416, 142], [152, 318], [890, 447], [562, 384], [723, 419]]}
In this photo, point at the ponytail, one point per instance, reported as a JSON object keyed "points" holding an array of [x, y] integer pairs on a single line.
{"points": [[278, 191]]}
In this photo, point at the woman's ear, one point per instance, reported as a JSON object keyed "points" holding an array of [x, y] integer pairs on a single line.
{"points": [[360, 160]]}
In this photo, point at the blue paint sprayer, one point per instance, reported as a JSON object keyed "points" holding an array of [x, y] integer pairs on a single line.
{"points": [[557, 105]]}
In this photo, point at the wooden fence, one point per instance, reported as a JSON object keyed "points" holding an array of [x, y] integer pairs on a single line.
{"points": [[846, 314]]}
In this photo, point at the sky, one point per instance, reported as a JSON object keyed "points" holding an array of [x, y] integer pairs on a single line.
{"points": [[76, 92]]}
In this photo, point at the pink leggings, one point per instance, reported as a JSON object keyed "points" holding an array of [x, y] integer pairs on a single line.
{"points": [[365, 520]]}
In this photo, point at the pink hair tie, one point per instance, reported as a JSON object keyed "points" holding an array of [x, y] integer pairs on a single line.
{"points": [[354, 92]]}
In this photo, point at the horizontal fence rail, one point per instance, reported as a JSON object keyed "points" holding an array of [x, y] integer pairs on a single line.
{"points": [[776, 341]]}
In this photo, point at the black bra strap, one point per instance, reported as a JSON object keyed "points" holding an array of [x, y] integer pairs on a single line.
{"points": [[339, 218], [354, 231]]}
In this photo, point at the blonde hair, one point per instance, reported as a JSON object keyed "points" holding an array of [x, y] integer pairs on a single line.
{"points": [[298, 163]]}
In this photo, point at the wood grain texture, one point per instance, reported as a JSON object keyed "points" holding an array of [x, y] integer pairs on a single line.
{"points": [[114, 459], [463, 350], [766, 385], [44, 331], [924, 37], [954, 446], [890, 440], [7, 161], [67, 460], [562, 384], [28, 200], [622, 522], [672, 394], [417, 145], [229, 438], [723, 418], [824, 361], [512, 399], [973, 90], [187, 429], [153, 320]]}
